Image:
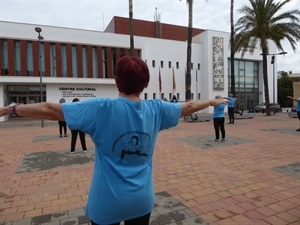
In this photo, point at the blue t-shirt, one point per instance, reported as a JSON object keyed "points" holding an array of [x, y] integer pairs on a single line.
{"points": [[231, 102], [124, 133], [219, 111]]}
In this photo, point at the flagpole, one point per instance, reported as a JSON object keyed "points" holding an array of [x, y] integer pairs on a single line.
{"points": [[174, 82], [197, 85], [159, 82]]}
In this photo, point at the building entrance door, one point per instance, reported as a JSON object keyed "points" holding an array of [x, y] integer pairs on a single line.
{"points": [[25, 94]]}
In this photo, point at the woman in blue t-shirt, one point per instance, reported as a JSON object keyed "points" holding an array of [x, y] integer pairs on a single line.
{"points": [[219, 120], [297, 108], [124, 131]]}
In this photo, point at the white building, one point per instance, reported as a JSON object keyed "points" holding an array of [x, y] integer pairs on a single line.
{"points": [[80, 63]]}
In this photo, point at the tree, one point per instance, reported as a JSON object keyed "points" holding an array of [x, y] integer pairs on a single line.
{"points": [[189, 53], [264, 21], [285, 88], [131, 52], [232, 49]]}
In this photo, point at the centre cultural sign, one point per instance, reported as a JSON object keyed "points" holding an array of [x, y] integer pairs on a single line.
{"points": [[77, 92]]}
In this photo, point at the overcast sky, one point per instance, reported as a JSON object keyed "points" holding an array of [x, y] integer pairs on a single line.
{"points": [[96, 14]]}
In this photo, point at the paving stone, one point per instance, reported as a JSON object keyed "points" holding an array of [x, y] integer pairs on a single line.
{"points": [[290, 169], [76, 212], [39, 161], [208, 142], [83, 220], [21, 222], [41, 219], [59, 216], [69, 221]]}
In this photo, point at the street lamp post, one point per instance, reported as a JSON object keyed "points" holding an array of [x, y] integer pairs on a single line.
{"points": [[40, 38], [273, 62]]}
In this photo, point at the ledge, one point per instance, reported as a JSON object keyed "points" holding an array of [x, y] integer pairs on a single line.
{"points": [[293, 115], [244, 116], [198, 117]]}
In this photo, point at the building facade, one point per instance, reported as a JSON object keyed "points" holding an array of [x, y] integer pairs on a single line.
{"points": [[79, 63]]}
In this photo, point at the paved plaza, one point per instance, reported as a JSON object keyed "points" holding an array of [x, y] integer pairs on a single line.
{"points": [[253, 178]]}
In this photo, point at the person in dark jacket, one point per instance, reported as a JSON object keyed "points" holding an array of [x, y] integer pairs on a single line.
{"points": [[75, 134], [62, 124]]}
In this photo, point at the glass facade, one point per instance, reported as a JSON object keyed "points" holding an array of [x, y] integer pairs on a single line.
{"points": [[84, 62], [74, 61], [246, 83], [29, 58], [17, 57], [64, 68], [4, 54], [25, 94], [95, 62], [52, 60]]}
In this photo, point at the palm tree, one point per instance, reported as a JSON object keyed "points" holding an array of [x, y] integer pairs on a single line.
{"points": [[263, 21], [189, 53], [232, 49], [131, 28]]}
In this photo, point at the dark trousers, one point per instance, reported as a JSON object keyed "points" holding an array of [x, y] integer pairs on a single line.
{"points": [[219, 125], [74, 138], [143, 220], [62, 124], [231, 114]]}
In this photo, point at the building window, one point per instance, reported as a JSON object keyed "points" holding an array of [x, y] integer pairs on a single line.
{"points": [[74, 61], [64, 68], [192, 66], [113, 59], [198, 66], [95, 62], [4, 55], [104, 63], [122, 52], [17, 58], [29, 58], [154, 95], [177, 65], [146, 96], [153, 63], [52, 60], [170, 64], [42, 57], [162, 64], [84, 62], [178, 96]]}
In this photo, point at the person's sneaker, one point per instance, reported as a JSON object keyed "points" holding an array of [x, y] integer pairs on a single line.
{"points": [[217, 140], [72, 152], [60, 135], [298, 129], [65, 135], [84, 150], [223, 139]]}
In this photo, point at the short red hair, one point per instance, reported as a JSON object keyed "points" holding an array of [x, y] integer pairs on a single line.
{"points": [[132, 75]]}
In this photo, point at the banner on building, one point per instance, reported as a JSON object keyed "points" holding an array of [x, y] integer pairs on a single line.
{"points": [[218, 63]]}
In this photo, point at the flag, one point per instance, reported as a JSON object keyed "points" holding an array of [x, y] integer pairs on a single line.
{"points": [[159, 80], [196, 75], [174, 82]]}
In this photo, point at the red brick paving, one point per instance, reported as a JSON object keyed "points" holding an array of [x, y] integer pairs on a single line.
{"points": [[224, 184]]}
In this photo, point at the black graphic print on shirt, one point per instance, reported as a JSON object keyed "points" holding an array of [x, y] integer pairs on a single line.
{"points": [[132, 143]]}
